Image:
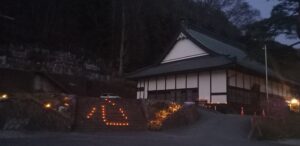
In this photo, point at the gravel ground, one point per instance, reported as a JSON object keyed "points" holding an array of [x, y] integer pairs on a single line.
{"points": [[212, 129]]}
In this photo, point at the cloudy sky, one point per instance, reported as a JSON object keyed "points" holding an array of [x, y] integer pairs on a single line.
{"points": [[265, 7]]}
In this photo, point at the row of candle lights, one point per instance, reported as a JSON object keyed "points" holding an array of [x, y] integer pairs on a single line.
{"points": [[91, 113], [103, 115], [107, 122], [162, 115]]}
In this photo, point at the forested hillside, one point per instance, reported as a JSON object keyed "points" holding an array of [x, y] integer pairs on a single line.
{"points": [[139, 30]]}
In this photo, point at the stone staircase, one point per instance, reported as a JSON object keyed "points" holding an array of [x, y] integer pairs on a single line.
{"points": [[95, 114]]}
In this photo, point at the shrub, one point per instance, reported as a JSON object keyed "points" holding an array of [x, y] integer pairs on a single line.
{"points": [[163, 114], [185, 116], [276, 127], [39, 118]]}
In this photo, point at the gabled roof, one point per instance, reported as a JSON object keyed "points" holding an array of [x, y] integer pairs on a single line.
{"points": [[221, 53], [198, 63], [214, 44]]}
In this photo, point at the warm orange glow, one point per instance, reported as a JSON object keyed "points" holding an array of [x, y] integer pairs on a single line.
{"points": [[4, 97], [294, 101], [47, 105], [109, 123], [103, 115], [91, 113], [294, 105], [162, 115]]}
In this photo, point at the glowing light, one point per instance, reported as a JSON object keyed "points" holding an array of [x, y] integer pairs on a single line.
{"points": [[3, 97], [294, 101], [47, 105], [91, 113], [162, 115], [110, 123], [294, 105]]}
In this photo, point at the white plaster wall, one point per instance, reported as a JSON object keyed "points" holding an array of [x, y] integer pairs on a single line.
{"points": [[138, 95], [247, 82], [152, 84], [277, 92], [180, 82], [288, 91], [281, 89], [161, 83], [256, 80], [239, 80], [142, 94], [171, 82], [231, 75], [219, 99], [137, 92], [184, 49], [192, 80], [274, 88], [146, 89], [218, 80], [278, 88], [289, 94], [262, 85], [285, 88], [270, 87], [251, 78], [204, 86]]}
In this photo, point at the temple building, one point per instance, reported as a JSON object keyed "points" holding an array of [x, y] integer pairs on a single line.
{"points": [[203, 67]]}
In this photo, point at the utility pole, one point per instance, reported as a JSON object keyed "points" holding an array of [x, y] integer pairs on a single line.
{"points": [[122, 44], [267, 80]]}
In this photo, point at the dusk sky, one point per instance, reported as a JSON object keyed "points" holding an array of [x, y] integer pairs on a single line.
{"points": [[265, 7]]}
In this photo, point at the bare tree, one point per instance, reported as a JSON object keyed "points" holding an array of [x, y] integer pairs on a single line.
{"points": [[122, 44]]}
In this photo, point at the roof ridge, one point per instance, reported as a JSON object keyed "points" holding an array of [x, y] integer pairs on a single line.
{"points": [[214, 35]]}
